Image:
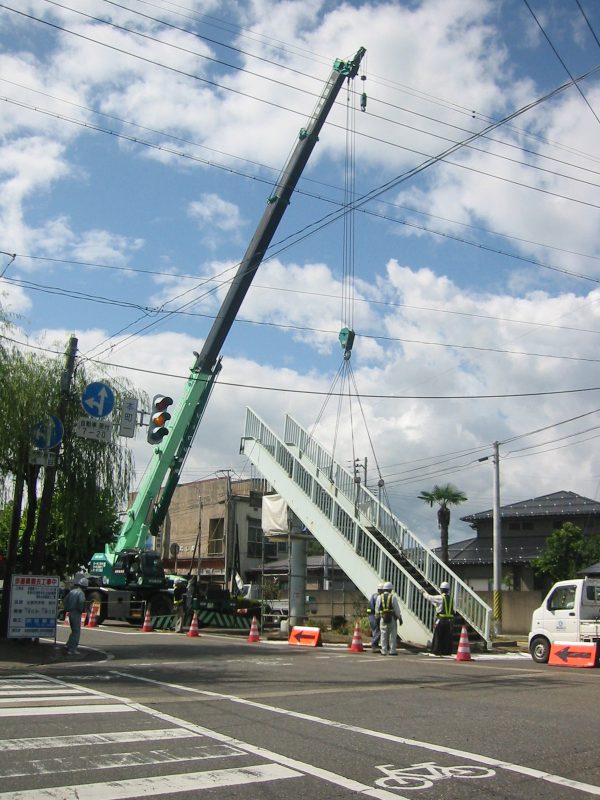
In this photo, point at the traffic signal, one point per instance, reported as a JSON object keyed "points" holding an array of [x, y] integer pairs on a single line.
{"points": [[158, 418]]}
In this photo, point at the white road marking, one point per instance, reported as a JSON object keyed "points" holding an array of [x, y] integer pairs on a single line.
{"points": [[298, 767], [151, 787], [86, 739], [40, 711], [388, 737], [130, 758]]}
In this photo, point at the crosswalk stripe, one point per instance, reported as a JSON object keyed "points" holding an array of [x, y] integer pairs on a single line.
{"points": [[38, 711], [153, 786], [86, 739]]}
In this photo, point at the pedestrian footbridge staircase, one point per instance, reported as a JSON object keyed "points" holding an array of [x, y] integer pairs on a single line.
{"points": [[366, 540]]}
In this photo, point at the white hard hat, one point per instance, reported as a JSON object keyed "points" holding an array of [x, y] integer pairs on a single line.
{"points": [[444, 585], [387, 586], [380, 587]]}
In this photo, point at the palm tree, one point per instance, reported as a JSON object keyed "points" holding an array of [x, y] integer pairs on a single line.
{"points": [[444, 496]]}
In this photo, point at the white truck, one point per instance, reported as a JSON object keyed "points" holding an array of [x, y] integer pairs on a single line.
{"points": [[570, 613]]}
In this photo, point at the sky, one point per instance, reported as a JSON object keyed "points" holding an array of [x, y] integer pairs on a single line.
{"points": [[139, 143]]}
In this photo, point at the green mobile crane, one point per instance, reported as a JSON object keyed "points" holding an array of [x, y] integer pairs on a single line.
{"points": [[126, 572]]}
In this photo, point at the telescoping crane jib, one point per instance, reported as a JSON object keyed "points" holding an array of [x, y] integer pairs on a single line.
{"points": [[169, 455]]}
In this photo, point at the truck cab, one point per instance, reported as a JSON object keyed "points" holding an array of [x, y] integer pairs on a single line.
{"points": [[570, 612]]}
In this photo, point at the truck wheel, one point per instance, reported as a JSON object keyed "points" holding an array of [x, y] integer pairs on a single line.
{"points": [[96, 597], [540, 649]]}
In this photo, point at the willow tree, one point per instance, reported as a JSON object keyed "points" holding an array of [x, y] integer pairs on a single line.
{"points": [[444, 496], [91, 480]]}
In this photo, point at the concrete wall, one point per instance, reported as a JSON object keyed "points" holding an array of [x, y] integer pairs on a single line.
{"points": [[517, 608]]}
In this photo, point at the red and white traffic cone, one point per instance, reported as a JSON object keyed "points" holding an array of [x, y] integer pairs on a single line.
{"points": [[147, 626], [464, 648], [254, 636], [92, 618], [357, 644], [83, 618], [193, 631]]}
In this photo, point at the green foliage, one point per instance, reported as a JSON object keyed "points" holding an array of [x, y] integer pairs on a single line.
{"points": [[92, 479], [566, 552], [444, 495]]}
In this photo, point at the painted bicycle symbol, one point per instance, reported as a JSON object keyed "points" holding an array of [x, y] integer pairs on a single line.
{"points": [[422, 776]]}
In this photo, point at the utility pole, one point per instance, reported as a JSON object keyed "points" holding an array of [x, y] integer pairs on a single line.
{"points": [[497, 546], [39, 551]]}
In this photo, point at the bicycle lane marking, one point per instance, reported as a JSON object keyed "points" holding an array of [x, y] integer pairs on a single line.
{"points": [[489, 761]]}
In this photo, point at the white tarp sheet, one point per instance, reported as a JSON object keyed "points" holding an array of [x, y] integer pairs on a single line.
{"points": [[274, 515]]}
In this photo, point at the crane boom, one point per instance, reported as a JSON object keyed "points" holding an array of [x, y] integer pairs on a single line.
{"points": [[168, 457]]}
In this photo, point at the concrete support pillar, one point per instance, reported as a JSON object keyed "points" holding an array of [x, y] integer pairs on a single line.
{"points": [[297, 586]]}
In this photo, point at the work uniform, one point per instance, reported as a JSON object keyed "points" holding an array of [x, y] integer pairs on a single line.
{"points": [[441, 644], [74, 605], [179, 593], [387, 609], [374, 620]]}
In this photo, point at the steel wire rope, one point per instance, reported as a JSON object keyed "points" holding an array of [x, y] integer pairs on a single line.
{"points": [[287, 67], [563, 64], [300, 235], [384, 303], [445, 103], [463, 143]]}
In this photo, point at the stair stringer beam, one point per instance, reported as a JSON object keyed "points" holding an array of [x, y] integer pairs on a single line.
{"points": [[359, 555]]}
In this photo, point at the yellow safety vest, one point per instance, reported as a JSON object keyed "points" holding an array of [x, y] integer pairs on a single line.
{"points": [[447, 611]]}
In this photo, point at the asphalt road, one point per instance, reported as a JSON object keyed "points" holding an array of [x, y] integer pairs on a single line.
{"points": [[164, 715]]}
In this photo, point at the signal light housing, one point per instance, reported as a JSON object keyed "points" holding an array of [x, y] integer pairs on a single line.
{"points": [[158, 418]]}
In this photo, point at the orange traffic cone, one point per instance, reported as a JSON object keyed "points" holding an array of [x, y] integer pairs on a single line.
{"points": [[193, 631], [93, 618], [83, 618], [147, 626], [464, 648], [254, 636], [357, 645]]}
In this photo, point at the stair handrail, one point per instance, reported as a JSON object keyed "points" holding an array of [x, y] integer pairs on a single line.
{"points": [[369, 512], [369, 507]]}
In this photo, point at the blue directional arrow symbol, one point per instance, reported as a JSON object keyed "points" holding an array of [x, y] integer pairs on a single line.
{"points": [[98, 399], [48, 433]]}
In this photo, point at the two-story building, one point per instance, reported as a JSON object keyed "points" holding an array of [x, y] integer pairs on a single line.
{"points": [[524, 528], [213, 528]]}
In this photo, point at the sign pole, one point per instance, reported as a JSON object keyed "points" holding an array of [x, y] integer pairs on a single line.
{"points": [[43, 520]]}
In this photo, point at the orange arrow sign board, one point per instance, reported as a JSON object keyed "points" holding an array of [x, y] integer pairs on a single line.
{"points": [[308, 637], [573, 654]]}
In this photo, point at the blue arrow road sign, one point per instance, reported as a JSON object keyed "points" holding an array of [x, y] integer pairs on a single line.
{"points": [[98, 399], [48, 433]]}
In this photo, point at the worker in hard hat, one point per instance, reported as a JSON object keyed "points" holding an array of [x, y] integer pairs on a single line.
{"points": [[74, 605], [387, 608], [441, 644], [179, 593], [374, 619]]}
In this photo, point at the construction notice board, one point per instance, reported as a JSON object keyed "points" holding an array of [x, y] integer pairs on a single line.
{"points": [[33, 601]]}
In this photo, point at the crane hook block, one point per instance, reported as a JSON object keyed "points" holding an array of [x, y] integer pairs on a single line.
{"points": [[363, 101], [346, 338]]}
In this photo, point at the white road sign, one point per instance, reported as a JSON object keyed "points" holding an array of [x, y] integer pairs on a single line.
{"points": [[128, 417], [33, 601], [90, 428]]}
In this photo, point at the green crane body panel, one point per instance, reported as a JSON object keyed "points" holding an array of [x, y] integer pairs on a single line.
{"points": [[144, 518]]}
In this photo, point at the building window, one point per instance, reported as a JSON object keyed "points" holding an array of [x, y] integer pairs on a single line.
{"points": [[514, 526], [527, 526], [216, 536], [256, 539]]}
